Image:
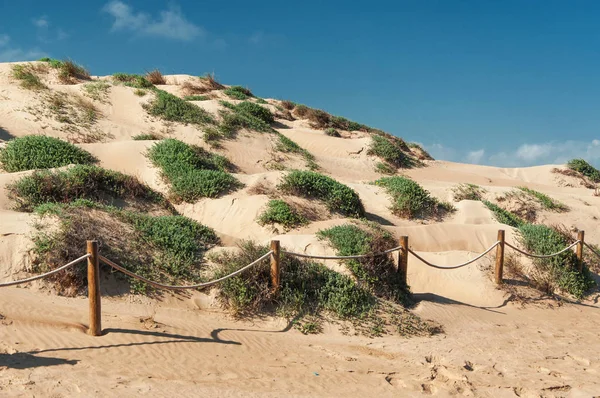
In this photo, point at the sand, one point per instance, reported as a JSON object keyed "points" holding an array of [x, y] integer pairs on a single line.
{"points": [[185, 345]]}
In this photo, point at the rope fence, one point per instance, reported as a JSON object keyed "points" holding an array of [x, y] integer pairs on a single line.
{"points": [[94, 258]]}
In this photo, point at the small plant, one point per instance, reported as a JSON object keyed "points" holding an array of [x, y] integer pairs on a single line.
{"points": [[261, 101], [289, 146], [155, 77], [172, 108], [212, 136], [410, 200], [238, 92], [255, 110], [147, 137], [332, 132], [192, 171], [422, 154], [391, 150], [140, 93], [28, 78], [289, 105], [584, 168], [280, 212], [97, 91], [546, 201], [196, 98], [468, 191], [41, 152], [211, 82], [504, 216], [301, 110], [236, 118], [132, 80], [338, 197], [384, 168]]}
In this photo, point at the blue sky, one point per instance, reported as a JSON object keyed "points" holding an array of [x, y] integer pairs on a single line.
{"points": [[505, 83]]}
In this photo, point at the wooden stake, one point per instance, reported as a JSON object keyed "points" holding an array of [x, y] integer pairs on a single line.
{"points": [[580, 238], [275, 262], [93, 276], [403, 258], [500, 257]]}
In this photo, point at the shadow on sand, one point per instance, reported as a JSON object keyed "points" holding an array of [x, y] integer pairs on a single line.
{"points": [[24, 360]]}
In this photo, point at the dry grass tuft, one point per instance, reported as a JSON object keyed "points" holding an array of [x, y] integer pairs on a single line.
{"points": [[190, 88], [211, 82], [155, 77]]}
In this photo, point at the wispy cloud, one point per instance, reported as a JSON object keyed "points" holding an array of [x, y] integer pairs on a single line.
{"points": [[261, 38], [45, 32], [170, 24], [41, 22], [9, 53], [529, 154]]}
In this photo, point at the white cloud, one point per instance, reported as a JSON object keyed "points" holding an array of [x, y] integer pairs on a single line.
{"points": [[475, 156], [532, 152], [171, 23], [41, 22], [12, 54]]}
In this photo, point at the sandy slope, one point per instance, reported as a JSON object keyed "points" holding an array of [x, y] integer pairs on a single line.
{"points": [[185, 345]]}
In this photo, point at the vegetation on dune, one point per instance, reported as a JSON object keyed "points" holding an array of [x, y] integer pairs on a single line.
{"points": [[281, 212], [332, 132], [29, 80], [165, 248], [41, 152], [338, 197], [391, 150], [97, 91], [423, 154], [410, 200], [192, 171], [155, 77], [68, 70], [322, 120], [133, 80], [504, 216], [378, 273], [583, 167], [196, 98], [147, 137], [81, 182], [256, 110], [238, 92], [172, 108], [140, 92], [289, 146], [466, 191], [236, 117], [210, 81], [385, 168], [546, 201]]}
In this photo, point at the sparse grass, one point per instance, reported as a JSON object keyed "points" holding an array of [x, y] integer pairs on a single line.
{"points": [[238, 117], [332, 132], [410, 200], [238, 92], [68, 70], [196, 98], [542, 240], [583, 167], [385, 168], [97, 91], [193, 172], [172, 108], [546, 201], [289, 105], [391, 150], [378, 273], [338, 197], [255, 110], [41, 152], [155, 77], [29, 80], [280, 212], [423, 154], [79, 182], [504, 216], [132, 80], [211, 82], [147, 137], [212, 136], [322, 120], [261, 101], [289, 146], [468, 191], [140, 92], [164, 248]]}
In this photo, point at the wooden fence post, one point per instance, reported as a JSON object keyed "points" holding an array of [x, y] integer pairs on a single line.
{"points": [[581, 239], [500, 257], [93, 276], [275, 262], [403, 258]]}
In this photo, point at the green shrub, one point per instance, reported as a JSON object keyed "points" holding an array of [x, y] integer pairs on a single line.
{"points": [[424, 155], [212, 136], [280, 212], [236, 119], [174, 109], [68, 69], [289, 146], [379, 272], [584, 168], [468, 192], [391, 150], [147, 137], [255, 110], [332, 132], [79, 182], [543, 240], [385, 168], [546, 201], [140, 93], [409, 199], [306, 287], [338, 197], [55, 63], [261, 101], [28, 78], [41, 152], [192, 171], [132, 80], [238, 92], [504, 216], [196, 98]]}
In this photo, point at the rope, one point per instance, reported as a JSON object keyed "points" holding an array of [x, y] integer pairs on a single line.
{"points": [[54, 271], [170, 287], [541, 255], [454, 266], [341, 257], [592, 249]]}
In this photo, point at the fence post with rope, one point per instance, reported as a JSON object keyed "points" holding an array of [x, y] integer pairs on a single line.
{"points": [[275, 265], [93, 276], [580, 243], [403, 258], [500, 257]]}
